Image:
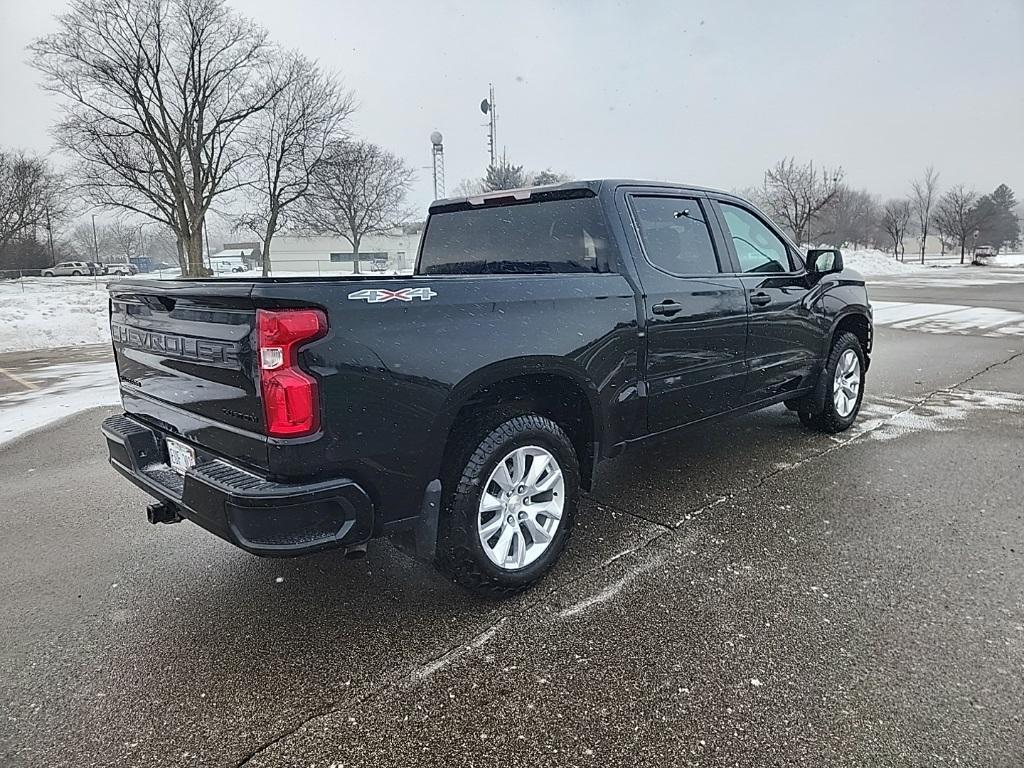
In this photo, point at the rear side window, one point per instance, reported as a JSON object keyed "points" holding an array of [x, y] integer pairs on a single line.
{"points": [[675, 235], [552, 236]]}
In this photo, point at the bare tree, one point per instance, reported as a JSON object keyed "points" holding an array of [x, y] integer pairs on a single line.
{"points": [[794, 193], [957, 215], [125, 239], [29, 196], [91, 244], [287, 143], [469, 188], [851, 217], [894, 221], [923, 200], [358, 190], [155, 93]]}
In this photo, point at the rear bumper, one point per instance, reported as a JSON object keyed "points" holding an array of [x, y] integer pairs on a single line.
{"points": [[261, 516]]}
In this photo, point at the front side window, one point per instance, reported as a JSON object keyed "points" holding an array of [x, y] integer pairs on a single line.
{"points": [[675, 235], [757, 247], [552, 236]]}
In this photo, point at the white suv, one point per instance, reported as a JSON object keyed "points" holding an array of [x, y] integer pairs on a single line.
{"points": [[68, 268]]}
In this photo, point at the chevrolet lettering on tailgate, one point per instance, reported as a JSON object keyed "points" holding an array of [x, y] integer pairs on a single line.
{"points": [[183, 347]]}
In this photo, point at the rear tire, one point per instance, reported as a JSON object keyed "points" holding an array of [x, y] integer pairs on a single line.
{"points": [[76, 273], [842, 381], [503, 529]]}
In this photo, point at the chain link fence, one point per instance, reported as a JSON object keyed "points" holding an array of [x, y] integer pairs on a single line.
{"points": [[26, 280]]}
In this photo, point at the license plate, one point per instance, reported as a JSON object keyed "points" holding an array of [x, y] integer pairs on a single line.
{"points": [[181, 456]]}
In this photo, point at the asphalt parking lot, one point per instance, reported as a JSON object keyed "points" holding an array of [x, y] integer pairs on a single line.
{"points": [[751, 594]]}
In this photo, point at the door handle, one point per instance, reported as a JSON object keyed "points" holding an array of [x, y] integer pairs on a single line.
{"points": [[667, 308], [760, 299]]}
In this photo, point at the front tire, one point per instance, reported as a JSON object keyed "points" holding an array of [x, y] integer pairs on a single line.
{"points": [[47, 274], [843, 382], [511, 507]]}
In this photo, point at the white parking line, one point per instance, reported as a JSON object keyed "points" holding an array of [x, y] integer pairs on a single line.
{"points": [[948, 318], [18, 380]]}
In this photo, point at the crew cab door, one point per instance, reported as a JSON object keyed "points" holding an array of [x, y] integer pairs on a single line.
{"points": [[695, 313], [784, 339]]}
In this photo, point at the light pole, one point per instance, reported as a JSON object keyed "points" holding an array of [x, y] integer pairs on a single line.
{"points": [[49, 238], [437, 150], [95, 242]]}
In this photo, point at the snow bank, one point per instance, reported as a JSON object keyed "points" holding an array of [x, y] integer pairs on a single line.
{"points": [[873, 262], [41, 313]]}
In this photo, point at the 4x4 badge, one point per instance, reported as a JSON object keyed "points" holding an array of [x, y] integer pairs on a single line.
{"points": [[380, 295]]}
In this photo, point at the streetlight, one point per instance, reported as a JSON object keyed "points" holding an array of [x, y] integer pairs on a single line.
{"points": [[437, 150]]}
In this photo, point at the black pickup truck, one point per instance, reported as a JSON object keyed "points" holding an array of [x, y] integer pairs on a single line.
{"points": [[461, 409]]}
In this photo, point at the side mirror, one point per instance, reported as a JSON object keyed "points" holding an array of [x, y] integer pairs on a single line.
{"points": [[822, 261]]}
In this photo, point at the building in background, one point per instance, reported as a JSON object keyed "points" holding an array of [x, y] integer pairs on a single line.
{"points": [[235, 257], [395, 252]]}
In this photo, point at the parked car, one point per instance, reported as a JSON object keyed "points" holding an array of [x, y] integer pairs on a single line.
{"points": [[68, 268], [120, 268], [461, 410]]}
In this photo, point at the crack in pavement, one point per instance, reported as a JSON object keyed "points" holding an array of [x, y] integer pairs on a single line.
{"points": [[479, 637]]}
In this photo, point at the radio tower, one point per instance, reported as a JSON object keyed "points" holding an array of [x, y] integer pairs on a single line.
{"points": [[437, 149], [487, 107]]}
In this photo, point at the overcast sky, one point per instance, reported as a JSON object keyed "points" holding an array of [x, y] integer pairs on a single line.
{"points": [[709, 93]]}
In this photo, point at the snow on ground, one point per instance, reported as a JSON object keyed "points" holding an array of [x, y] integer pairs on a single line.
{"points": [[62, 390], [872, 262], [1008, 260], [41, 313], [888, 417]]}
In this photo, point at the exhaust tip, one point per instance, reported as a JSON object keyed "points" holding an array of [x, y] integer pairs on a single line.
{"points": [[356, 552]]}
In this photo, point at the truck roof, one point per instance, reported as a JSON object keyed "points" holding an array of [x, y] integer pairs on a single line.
{"points": [[583, 185]]}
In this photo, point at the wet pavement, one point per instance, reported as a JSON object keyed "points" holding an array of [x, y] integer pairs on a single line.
{"points": [[746, 594], [28, 371]]}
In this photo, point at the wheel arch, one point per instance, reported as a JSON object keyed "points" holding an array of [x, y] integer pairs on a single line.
{"points": [[553, 387], [856, 320]]}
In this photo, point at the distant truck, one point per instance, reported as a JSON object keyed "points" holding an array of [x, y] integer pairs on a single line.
{"points": [[463, 408], [120, 268], [982, 254]]}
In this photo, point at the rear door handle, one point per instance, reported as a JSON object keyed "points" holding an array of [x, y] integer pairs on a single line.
{"points": [[760, 299], [667, 308]]}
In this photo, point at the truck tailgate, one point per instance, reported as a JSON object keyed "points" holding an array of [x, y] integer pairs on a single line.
{"points": [[185, 360]]}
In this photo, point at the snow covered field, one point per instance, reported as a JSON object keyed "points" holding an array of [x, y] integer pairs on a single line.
{"points": [[42, 313]]}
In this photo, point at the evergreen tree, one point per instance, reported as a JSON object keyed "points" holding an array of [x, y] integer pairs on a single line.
{"points": [[998, 224], [504, 175]]}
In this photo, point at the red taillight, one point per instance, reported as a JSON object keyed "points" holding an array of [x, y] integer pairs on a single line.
{"points": [[291, 403]]}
